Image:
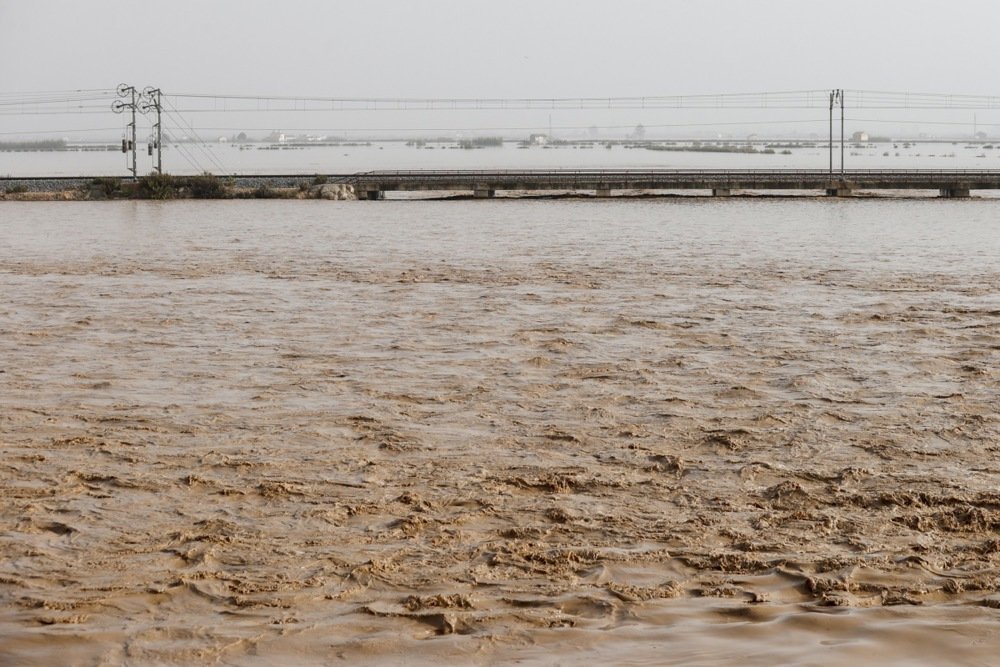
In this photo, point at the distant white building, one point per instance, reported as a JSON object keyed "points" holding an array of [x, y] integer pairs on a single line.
{"points": [[538, 139], [859, 136]]}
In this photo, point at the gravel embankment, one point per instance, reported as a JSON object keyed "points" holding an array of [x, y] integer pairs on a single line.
{"points": [[60, 184]]}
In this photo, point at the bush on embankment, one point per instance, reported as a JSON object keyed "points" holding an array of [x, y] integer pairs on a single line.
{"points": [[266, 192], [105, 187], [166, 186], [203, 186]]}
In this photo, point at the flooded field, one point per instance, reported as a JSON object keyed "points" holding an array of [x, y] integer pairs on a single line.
{"points": [[628, 431], [351, 157]]}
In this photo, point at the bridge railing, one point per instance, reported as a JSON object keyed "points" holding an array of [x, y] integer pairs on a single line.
{"points": [[665, 178], [434, 173]]}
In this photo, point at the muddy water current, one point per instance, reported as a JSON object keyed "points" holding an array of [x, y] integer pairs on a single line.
{"points": [[652, 431]]}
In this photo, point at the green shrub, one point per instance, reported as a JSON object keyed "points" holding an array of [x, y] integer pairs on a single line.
{"points": [[157, 186], [205, 186], [108, 186]]}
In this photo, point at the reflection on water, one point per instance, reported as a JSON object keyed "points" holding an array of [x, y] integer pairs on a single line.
{"points": [[262, 432]]}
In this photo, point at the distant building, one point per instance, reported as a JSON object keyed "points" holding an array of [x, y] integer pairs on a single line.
{"points": [[859, 136], [538, 139]]}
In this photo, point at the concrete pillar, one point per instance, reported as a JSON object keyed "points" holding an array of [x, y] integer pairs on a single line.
{"points": [[483, 193], [371, 195], [838, 192], [602, 192], [954, 192], [721, 192]]}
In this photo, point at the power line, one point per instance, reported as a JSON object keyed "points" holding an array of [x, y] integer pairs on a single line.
{"points": [[82, 110], [33, 101], [870, 99], [270, 103], [171, 112], [184, 152], [92, 129], [521, 128], [781, 99], [920, 122], [109, 91]]}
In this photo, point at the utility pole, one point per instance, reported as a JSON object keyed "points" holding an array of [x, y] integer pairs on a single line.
{"points": [[151, 101], [837, 97], [833, 94], [119, 106], [841, 95]]}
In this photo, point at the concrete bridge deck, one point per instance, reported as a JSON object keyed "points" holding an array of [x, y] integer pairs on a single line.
{"points": [[485, 183]]}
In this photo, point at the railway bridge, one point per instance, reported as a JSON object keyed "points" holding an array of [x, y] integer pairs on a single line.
{"points": [[485, 183], [373, 185]]}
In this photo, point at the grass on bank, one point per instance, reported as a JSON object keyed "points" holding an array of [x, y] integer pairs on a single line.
{"points": [[203, 186]]}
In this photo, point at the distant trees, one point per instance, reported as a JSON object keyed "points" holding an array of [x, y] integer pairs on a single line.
{"points": [[481, 142], [49, 145]]}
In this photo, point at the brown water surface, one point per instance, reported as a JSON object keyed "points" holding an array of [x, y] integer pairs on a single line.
{"points": [[638, 432]]}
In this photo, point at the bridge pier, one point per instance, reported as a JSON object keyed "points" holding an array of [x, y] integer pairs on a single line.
{"points": [[722, 192], [838, 192], [371, 195], [950, 193], [483, 193]]}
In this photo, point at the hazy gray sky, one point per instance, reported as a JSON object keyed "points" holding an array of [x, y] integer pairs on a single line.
{"points": [[516, 48]]}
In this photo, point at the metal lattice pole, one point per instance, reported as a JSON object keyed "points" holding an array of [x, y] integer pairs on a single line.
{"points": [[151, 101], [135, 171], [841, 95], [119, 106], [833, 94]]}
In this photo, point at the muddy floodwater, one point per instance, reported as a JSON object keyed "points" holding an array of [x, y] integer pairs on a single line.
{"points": [[651, 431]]}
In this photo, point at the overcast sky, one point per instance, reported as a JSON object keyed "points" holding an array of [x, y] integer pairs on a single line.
{"points": [[515, 48]]}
